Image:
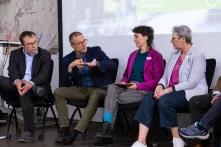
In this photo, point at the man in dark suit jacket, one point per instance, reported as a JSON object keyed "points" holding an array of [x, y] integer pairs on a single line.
{"points": [[86, 73], [29, 66]]}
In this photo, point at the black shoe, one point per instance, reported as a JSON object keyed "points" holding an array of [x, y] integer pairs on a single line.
{"points": [[105, 137], [63, 131], [106, 130], [103, 141], [70, 139], [27, 137]]}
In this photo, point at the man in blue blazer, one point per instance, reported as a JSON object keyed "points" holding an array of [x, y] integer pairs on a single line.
{"points": [[29, 66], [85, 75]]}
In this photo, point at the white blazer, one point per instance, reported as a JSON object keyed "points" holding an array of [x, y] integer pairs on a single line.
{"points": [[192, 76]]}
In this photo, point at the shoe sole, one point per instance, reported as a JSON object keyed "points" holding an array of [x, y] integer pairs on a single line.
{"points": [[25, 141], [196, 137]]}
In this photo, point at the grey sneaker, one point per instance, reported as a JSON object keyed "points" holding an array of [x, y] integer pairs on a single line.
{"points": [[192, 132], [27, 137]]}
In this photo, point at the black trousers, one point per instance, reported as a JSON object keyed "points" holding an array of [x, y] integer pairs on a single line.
{"points": [[9, 92], [198, 106], [202, 110], [210, 115]]}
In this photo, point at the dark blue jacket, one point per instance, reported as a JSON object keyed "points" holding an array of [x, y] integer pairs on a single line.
{"points": [[100, 75]]}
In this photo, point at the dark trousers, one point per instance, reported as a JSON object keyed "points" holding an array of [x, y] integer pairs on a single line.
{"points": [[9, 92], [210, 117], [201, 109], [198, 106], [167, 105]]}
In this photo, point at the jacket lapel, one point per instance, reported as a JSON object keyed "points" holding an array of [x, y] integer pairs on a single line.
{"points": [[23, 63], [35, 64]]}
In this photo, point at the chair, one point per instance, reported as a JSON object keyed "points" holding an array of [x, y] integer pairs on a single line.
{"points": [[46, 103], [83, 103], [210, 69]]}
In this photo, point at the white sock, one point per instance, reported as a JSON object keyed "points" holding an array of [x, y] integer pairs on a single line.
{"points": [[178, 142]]}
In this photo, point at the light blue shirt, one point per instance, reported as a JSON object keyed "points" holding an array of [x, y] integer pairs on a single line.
{"points": [[28, 60]]}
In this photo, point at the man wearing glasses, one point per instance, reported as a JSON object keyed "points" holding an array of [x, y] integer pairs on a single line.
{"points": [[29, 66], [85, 75]]}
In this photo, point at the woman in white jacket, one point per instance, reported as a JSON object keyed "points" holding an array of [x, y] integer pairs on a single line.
{"points": [[184, 77]]}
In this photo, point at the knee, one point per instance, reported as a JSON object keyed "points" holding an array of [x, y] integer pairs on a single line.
{"points": [[58, 93], [163, 102], [97, 95], [148, 99], [217, 102], [112, 87]]}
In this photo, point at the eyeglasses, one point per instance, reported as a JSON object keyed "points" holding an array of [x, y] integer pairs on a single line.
{"points": [[31, 43], [80, 43]]}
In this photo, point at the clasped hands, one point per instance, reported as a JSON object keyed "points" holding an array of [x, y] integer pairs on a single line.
{"points": [[159, 91], [23, 86]]}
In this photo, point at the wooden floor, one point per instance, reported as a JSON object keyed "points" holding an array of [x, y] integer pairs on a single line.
{"points": [[86, 140]]}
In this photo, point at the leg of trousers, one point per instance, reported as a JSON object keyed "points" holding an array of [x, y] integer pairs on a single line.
{"points": [[117, 95], [77, 93], [111, 98], [67, 93], [210, 117], [145, 112], [198, 106], [168, 106], [9, 93], [6, 87], [95, 96], [27, 104]]}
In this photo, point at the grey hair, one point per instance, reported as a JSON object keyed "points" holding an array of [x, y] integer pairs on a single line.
{"points": [[183, 31]]}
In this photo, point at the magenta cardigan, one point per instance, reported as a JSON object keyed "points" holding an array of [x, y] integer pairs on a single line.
{"points": [[153, 70]]}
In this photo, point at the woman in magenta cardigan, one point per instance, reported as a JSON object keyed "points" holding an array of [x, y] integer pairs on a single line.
{"points": [[144, 69]]}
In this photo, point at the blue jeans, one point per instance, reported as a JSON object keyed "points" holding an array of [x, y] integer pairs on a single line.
{"points": [[167, 106]]}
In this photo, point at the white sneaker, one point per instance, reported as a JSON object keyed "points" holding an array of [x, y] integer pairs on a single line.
{"points": [[178, 142], [138, 144]]}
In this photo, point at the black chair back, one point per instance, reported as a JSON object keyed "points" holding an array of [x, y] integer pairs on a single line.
{"points": [[210, 69], [114, 73]]}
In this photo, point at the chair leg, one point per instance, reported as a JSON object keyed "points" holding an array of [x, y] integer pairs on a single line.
{"points": [[16, 123], [120, 118], [9, 123], [126, 120], [41, 136], [79, 111], [55, 118]]}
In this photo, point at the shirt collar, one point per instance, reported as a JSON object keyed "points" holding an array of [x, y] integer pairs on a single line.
{"points": [[26, 53]]}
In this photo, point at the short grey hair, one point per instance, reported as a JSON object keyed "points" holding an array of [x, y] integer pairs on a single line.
{"points": [[183, 31]]}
